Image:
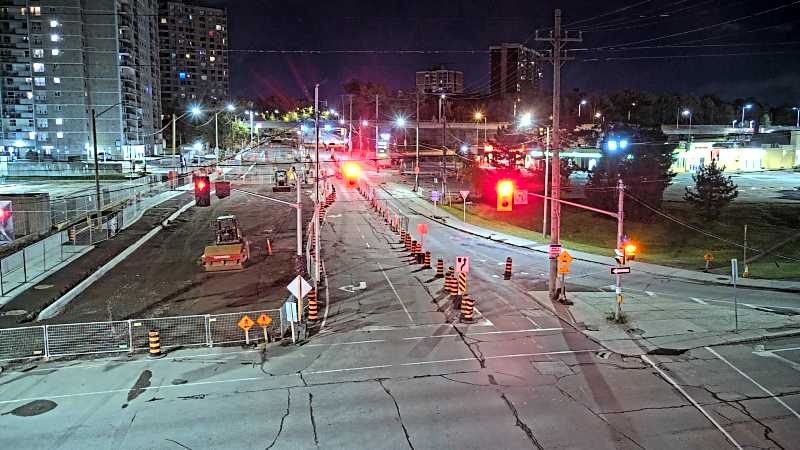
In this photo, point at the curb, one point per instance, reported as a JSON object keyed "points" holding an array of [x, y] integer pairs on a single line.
{"points": [[789, 290]]}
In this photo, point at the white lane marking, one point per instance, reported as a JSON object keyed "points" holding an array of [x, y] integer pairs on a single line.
{"points": [[789, 362], [694, 402], [751, 305], [396, 294], [368, 246], [697, 300], [651, 294], [782, 403], [438, 336], [116, 391], [784, 349], [441, 361], [349, 369], [362, 237]]}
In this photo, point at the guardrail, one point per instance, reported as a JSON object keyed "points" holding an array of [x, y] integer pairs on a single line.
{"points": [[130, 336]]}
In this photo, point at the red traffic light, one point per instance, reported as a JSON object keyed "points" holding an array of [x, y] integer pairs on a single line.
{"points": [[505, 187], [4, 215], [200, 184], [351, 169]]}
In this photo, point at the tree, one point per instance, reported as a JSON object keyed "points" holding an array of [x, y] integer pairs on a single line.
{"points": [[713, 191]]}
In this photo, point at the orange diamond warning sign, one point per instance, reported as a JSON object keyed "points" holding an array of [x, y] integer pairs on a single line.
{"points": [[264, 320], [245, 323]]}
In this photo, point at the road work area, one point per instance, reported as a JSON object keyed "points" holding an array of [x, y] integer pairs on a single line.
{"points": [[164, 277]]}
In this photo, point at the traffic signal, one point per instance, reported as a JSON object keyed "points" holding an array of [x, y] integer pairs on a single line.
{"points": [[505, 195], [630, 251], [202, 191], [352, 172]]}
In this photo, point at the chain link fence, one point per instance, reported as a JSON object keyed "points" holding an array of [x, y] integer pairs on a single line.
{"points": [[130, 336]]}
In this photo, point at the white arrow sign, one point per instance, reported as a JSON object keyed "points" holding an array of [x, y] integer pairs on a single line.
{"points": [[352, 288]]}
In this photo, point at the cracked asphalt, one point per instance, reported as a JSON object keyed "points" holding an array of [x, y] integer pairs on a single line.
{"points": [[393, 369]]}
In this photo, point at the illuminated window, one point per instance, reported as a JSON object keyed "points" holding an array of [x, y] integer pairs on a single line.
{"points": [[219, 27], [39, 81], [163, 20], [38, 53], [54, 38], [38, 67], [212, 59], [55, 52], [53, 23], [60, 135], [36, 10], [59, 121], [57, 80], [188, 55]]}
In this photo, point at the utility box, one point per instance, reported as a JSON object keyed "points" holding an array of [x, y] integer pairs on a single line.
{"points": [[223, 188]]}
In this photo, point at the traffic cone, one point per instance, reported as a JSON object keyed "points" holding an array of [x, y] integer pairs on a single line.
{"points": [[313, 307]]}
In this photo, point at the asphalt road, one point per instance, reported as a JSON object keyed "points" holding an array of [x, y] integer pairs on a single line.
{"points": [[391, 368]]}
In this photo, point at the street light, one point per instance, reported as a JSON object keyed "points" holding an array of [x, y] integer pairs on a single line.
{"points": [[230, 108], [365, 123], [526, 120], [478, 116], [582, 103], [633, 105], [400, 122], [599, 115], [797, 121], [747, 106]]}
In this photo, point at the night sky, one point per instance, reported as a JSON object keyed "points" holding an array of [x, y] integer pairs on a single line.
{"points": [[763, 54]]}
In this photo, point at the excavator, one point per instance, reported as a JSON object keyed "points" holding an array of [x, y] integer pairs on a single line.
{"points": [[230, 250]]}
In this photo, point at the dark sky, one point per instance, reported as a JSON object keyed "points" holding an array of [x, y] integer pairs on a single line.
{"points": [[762, 46]]}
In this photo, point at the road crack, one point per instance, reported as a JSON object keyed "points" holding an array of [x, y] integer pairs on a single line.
{"points": [[177, 443], [399, 416], [522, 425], [283, 419], [311, 413]]}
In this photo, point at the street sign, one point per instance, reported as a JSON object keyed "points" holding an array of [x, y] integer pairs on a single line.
{"points": [[619, 270], [565, 257], [554, 250], [521, 197], [708, 257], [434, 196], [422, 228], [299, 287], [563, 267], [290, 311], [462, 264], [245, 323], [464, 194], [264, 320]]}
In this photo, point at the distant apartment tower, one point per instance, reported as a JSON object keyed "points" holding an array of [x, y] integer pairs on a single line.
{"points": [[514, 69], [194, 55], [440, 81], [62, 58]]}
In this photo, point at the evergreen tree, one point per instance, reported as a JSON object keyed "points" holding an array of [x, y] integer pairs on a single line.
{"points": [[713, 191]]}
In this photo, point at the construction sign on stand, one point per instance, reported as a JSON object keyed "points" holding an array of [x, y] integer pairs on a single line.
{"points": [[245, 323], [520, 197], [264, 320], [462, 264], [422, 228], [564, 260]]}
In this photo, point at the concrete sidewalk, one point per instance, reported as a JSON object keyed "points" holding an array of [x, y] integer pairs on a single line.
{"points": [[662, 325], [422, 206]]}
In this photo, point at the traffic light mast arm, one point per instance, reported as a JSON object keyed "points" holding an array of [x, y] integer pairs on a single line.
{"points": [[293, 205], [577, 205]]}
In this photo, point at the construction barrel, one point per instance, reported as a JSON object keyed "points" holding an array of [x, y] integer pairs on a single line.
{"points": [[154, 343], [313, 306], [440, 268], [507, 272], [467, 309], [426, 263]]}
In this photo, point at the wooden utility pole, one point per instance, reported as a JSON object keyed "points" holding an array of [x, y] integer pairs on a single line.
{"points": [[557, 38]]}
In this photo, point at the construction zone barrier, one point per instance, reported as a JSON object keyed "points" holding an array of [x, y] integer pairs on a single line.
{"points": [[507, 272], [154, 343], [467, 309], [402, 236], [462, 282], [408, 242], [413, 248], [452, 288], [418, 255], [313, 306], [426, 263], [440, 268]]}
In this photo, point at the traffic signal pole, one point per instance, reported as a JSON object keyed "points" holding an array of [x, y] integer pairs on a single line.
{"points": [[620, 231]]}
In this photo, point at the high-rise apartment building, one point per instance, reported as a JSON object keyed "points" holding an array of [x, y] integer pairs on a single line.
{"points": [[440, 81], [59, 59], [194, 58], [514, 69]]}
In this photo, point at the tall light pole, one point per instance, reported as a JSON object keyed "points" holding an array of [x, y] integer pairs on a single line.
{"points": [[580, 104], [251, 128], [478, 116], [230, 108], [687, 113], [797, 121], [416, 146], [633, 104], [745, 107]]}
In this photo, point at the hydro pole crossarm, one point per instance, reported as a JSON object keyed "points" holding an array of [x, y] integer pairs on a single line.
{"points": [[290, 204]]}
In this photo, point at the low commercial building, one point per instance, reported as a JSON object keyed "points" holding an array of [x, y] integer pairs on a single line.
{"points": [[765, 151]]}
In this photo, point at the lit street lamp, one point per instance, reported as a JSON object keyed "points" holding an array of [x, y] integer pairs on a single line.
{"points": [[526, 120], [400, 122], [747, 106], [633, 105], [582, 103], [478, 116], [230, 108]]}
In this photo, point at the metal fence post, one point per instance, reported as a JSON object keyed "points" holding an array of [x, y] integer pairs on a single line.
{"points": [[44, 256], [209, 341], [24, 265], [46, 344], [130, 336], [2, 291], [61, 245]]}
